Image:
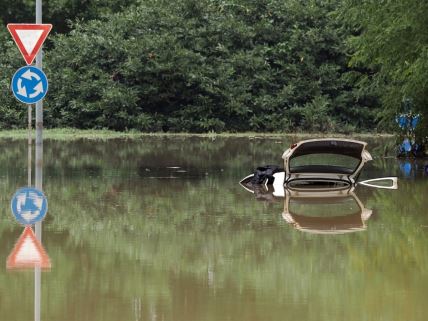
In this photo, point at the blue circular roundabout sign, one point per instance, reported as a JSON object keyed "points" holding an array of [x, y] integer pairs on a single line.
{"points": [[29, 205], [29, 84]]}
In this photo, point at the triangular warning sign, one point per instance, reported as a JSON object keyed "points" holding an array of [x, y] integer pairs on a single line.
{"points": [[28, 253], [29, 38]]}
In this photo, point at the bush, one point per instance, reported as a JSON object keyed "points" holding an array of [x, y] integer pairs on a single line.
{"points": [[208, 65]]}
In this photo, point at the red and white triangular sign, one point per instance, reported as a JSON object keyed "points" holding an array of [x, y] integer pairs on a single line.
{"points": [[29, 38], [28, 253]]}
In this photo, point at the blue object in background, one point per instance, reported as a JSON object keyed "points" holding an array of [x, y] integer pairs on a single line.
{"points": [[415, 121], [29, 84], [29, 205], [408, 121], [406, 146], [406, 168], [402, 121]]}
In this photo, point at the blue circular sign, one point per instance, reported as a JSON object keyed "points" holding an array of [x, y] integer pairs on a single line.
{"points": [[29, 84], [29, 205]]}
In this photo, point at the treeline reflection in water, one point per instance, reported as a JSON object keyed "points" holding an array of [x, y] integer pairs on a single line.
{"points": [[125, 246]]}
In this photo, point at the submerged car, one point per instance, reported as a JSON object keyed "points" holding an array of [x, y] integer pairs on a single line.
{"points": [[316, 163], [350, 156]]}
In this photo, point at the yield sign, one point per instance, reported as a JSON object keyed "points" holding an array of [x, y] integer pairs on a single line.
{"points": [[28, 253], [29, 38]]}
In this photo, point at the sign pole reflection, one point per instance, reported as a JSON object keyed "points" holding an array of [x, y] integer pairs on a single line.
{"points": [[39, 172]]}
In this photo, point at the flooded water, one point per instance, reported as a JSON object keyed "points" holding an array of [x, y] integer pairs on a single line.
{"points": [[160, 229]]}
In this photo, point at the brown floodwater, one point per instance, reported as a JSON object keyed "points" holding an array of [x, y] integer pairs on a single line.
{"points": [[160, 229]]}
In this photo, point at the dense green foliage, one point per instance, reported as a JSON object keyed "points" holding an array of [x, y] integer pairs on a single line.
{"points": [[60, 12], [391, 38], [225, 65], [198, 66]]}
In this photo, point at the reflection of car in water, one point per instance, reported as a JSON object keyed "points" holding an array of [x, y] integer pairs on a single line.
{"points": [[329, 212], [318, 210]]}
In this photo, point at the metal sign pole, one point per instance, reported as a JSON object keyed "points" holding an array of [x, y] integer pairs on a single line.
{"points": [[39, 125], [30, 146]]}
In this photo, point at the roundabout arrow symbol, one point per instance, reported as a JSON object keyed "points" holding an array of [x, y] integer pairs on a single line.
{"points": [[21, 90], [38, 90], [29, 74]]}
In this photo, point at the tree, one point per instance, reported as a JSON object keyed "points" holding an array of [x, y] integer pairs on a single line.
{"points": [[60, 12], [390, 37]]}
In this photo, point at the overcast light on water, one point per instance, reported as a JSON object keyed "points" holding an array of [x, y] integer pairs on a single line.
{"points": [[158, 228]]}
